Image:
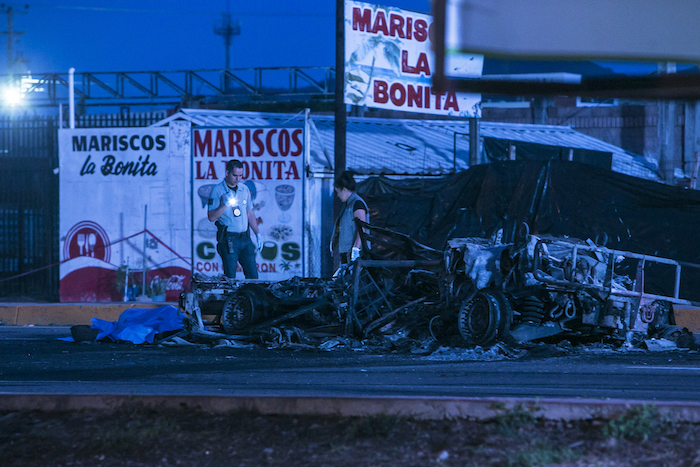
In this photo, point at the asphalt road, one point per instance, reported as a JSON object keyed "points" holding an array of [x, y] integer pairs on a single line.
{"points": [[33, 361]]}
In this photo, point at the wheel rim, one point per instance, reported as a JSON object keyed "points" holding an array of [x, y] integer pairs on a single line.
{"points": [[479, 319], [238, 312]]}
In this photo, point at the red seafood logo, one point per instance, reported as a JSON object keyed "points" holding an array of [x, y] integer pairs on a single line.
{"points": [[87, 239]]}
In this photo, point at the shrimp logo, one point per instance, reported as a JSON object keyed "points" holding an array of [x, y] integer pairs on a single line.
{"points": [[88, 239]]}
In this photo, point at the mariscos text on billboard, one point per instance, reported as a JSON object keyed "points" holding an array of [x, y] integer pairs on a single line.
{"points": [[389, 63], [248, 143]]}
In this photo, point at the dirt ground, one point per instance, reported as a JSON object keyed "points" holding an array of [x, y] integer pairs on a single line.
{"points": [[137, 437]]}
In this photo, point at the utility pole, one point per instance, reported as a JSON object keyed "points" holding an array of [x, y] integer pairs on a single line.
{"points": [[227, 29], [340, 109], [340, 120], [11, 34]]}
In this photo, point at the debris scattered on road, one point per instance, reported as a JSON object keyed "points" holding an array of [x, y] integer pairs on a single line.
{"points": [[402, 296], [659, 344], [480, 298], [84, 333]]}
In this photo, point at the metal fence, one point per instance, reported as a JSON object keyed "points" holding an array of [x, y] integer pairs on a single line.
{"points": [[28, 209], [122, 119], [29, 201]]}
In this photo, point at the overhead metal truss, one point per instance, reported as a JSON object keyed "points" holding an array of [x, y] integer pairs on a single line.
{"points": [[278, 84]]}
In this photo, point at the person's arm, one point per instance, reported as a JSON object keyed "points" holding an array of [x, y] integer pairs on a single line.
{"points": [[214, 214], [362, 215], [253, 222]]}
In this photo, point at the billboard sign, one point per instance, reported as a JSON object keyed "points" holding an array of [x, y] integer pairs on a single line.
{"points": [[389, 63], [273, 170], [112, 182]]}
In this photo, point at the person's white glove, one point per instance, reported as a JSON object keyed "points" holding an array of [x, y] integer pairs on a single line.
{"points": [[258, 238], [340, 271], [354, 254]]}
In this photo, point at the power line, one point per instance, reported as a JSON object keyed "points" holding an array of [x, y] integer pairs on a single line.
{"points": [[183, 12]]}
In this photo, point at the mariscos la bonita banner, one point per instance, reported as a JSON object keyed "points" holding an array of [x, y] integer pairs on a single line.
{"points": [[389, 63], [111, 181], [273, 170]]}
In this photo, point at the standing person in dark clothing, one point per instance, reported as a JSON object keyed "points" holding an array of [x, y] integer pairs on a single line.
{"points": [[346, 239], [231, 208]]}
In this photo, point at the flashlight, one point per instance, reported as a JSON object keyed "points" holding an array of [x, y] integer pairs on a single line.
{"points": [[231, 200]]}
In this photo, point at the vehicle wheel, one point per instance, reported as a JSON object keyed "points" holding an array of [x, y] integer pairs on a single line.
{"points": [[239, 311], [506, 314], [481, 319]]}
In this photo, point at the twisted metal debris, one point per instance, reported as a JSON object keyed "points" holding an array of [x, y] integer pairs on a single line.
{"points": [[476, 292]]}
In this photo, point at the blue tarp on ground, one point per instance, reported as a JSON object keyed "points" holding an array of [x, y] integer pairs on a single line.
{"points": [[138, 325]]}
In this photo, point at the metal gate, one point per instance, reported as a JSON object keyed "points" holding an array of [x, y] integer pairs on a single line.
{"points": [[28, 209]]}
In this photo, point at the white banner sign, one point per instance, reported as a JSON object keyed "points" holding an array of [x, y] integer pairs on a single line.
{"points": [[113, 181], [273, 170], [389, 63]]}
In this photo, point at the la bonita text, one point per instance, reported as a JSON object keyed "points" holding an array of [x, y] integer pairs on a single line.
{"points": [[110, 166]]}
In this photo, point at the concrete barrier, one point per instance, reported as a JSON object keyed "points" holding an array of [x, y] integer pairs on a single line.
{"points": [[66, 314]]}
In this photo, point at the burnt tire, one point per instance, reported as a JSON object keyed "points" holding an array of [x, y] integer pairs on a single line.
{"points": [[239, 311], [506, 314], [484, 318]]}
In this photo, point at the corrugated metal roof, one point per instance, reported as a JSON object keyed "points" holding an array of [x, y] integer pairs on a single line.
{"points": [[414, 147]]}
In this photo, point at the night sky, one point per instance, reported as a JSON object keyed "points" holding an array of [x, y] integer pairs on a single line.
{"points": [[168, 35], [172, 35]]}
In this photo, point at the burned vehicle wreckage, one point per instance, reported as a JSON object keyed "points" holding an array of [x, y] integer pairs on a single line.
{"points": [[476, 291]]}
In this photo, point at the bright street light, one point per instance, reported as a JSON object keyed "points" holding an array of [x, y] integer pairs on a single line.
{"points": [[11, 96]]}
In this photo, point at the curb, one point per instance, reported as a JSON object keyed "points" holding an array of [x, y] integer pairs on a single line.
{"points": [[67, 314], [419, 408]]}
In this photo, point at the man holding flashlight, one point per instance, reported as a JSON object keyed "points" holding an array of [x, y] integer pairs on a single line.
{"points": [[231, 208]]}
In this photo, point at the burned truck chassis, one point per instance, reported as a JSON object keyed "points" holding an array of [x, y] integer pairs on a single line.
{"points": [[356, 303], [475, 292]]}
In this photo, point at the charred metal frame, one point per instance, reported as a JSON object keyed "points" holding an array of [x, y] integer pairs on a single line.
{"points": [[521, 301], [539, 275], [358, 267]]}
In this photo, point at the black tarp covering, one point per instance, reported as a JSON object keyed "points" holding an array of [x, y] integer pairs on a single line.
{"points": [[560, 198], [498, 150]]}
